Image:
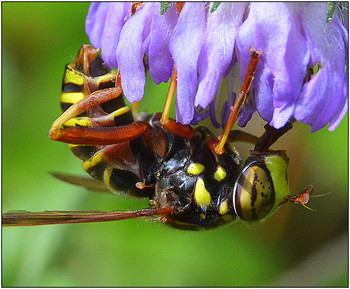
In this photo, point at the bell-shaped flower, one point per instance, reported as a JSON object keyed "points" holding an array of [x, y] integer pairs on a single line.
{"points": [[302, 74]]}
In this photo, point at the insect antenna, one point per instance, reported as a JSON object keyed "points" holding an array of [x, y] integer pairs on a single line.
{"points": [[320, 195]]}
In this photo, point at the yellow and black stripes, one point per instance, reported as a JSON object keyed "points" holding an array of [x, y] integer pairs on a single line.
{"points": [[72, 92], [88, 74], [72, 88], [117, 180], [120, 180], [96, 166], [83, 152]]}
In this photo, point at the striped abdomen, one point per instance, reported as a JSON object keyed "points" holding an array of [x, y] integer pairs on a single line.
{"points": [[75, 87], [113, 164]]}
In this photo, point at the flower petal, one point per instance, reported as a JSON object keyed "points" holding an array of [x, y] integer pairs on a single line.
{"points": [[160, 60], [185, 45], [95, 22], [103, 25], [217, 50], [117, 15], [205, 46], [273, 29], [324, 96], [263, 85], [130, 53], [339, 116], [343, 107], [281, 115]]}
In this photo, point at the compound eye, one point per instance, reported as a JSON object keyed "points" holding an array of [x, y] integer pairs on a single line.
{"points": [[254, 194]]}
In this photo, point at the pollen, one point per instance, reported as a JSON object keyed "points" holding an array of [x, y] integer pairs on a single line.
{"points": [[195, 169], [201, 194]]}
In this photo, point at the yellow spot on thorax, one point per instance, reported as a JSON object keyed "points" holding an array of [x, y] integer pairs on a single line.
{"points": [[195, 169], [201, 194], [98, 157], [220, 174]]}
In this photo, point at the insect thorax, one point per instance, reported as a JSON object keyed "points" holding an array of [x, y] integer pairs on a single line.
{"points": [[195, 181]]}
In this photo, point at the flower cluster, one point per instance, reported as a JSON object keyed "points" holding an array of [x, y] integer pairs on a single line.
{"points": [[302, 73]]}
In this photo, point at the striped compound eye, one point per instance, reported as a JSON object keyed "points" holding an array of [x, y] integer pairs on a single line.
{"points": [[254, 194]]}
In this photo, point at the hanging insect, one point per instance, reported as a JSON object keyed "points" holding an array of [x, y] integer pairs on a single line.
{"points": [[192, 179]]}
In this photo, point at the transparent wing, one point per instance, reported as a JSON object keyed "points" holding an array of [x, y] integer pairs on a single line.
{"points": [[85, 182], [25, 218]]}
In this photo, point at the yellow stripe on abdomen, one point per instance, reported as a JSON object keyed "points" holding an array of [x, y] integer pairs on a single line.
{"points": [[72, 97], [105, 78], [107, 176], [72, 76], [97, 158]]}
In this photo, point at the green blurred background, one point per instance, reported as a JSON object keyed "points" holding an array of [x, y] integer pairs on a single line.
{"points": [[296, 247]]}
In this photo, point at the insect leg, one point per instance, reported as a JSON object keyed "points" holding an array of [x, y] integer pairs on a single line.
{"points": [[169, 124], [101, 121], [99, 135], [92, 100], [270, 136], [241, 98], [238, 135], [83, 134], [24, 218]]}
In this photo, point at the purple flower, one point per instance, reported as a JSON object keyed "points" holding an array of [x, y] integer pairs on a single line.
{"points": [[206, 45]]}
